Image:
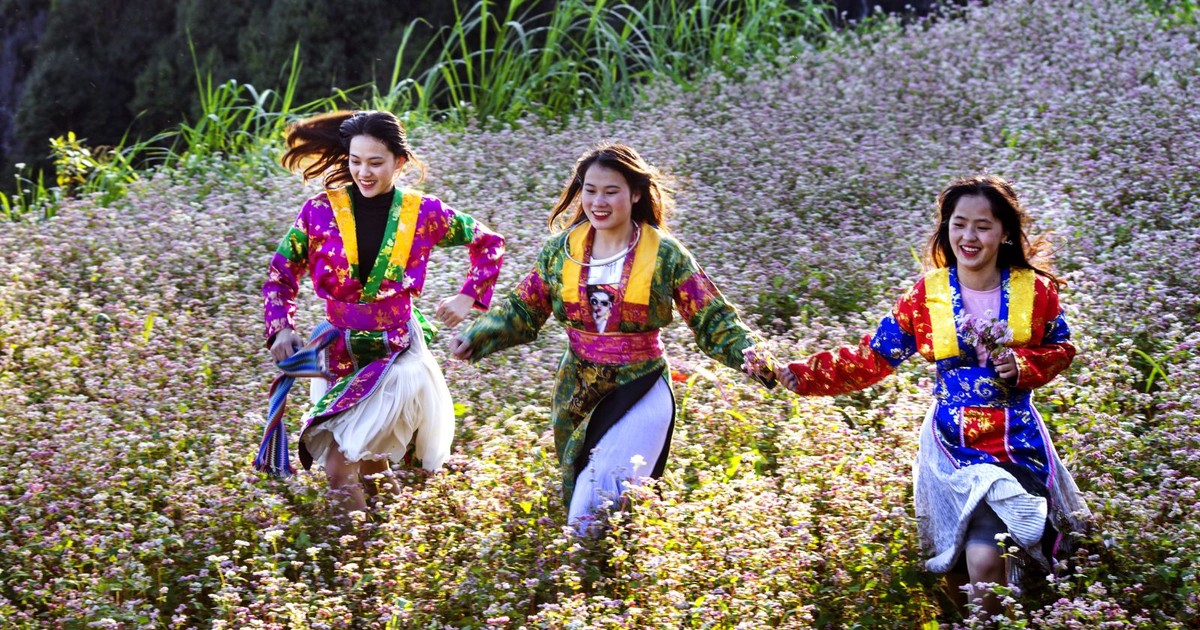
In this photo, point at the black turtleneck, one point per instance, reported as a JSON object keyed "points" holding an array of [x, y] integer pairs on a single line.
{"points": [[370, 220]]}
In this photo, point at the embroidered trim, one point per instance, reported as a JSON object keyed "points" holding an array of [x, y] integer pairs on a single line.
{"points": [[645, 257], [377, 315], [405, 231], [576, 242], [400, 233], [379, 266], [615, 348]]}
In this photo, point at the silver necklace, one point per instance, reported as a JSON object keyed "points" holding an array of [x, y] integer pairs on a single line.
{"points": [[636, 237]]}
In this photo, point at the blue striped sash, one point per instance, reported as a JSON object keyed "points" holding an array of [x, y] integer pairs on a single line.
{"points": [[273, 452]]}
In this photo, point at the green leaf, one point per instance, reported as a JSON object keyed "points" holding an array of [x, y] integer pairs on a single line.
{"points": [[734, 462], [148, 326]]}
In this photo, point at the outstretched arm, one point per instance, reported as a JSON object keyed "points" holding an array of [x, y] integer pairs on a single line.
{"points": [[487, 255], [839, 371], [715, 323], [516, 320], [852, 368]]}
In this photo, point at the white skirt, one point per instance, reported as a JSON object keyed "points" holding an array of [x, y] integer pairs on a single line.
{"points": [[945, 497], [411, 401], [626, 454]]}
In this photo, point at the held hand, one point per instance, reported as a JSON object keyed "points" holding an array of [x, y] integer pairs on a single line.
{"points": [[788, 379], [286, 343], [451, 311], [460, 348], [1005, 363], [759, 363]]}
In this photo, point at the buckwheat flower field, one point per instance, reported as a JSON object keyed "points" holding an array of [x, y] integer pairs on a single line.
{"points": [[133, 376]]}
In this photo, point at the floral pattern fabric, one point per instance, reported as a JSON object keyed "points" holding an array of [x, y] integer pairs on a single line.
{"points": [[978, 417], [673, 281], [373, 318]]}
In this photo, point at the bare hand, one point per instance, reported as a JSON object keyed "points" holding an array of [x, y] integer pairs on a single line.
{"points": [[460, 348], [788, 378], [451, 311], [1006, 365], [286, 343]]}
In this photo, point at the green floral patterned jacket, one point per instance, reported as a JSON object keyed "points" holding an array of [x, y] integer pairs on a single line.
{"points": [[659, 276]]}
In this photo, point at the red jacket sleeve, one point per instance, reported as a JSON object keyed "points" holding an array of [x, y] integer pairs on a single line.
{"points": [[843, 370], [1039, 364]]}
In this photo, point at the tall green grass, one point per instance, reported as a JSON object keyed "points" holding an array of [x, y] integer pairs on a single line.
{"points": [[499, 62]]}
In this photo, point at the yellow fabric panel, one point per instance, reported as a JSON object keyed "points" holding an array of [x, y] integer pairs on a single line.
{"points": [[406, 229], [941, 314], [339, 199], [645, 256], [1021, 285], [576, 242]]}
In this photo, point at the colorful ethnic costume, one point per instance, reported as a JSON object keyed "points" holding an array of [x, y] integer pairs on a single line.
{"points": [[387, 390], [983, 444], [612, 409]]}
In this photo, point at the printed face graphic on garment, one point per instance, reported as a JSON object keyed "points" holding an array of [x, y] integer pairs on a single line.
{"points": [[601, 302]]}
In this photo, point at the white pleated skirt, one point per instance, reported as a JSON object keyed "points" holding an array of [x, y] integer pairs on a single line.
{"points": [[945, 497], [410, 405]]}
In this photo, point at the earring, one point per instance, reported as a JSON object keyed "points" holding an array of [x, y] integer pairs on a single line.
{"points": [[1006, 242]]}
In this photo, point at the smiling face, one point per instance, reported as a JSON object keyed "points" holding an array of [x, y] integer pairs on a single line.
{"points": [[607, 199], [372, 165], [975, 236]]}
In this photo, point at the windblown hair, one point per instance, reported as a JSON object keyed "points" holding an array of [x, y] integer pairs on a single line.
{"points": [[653, 205], [319, 147], [1020, 252]]}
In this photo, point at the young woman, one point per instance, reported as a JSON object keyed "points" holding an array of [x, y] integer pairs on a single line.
{"points": [[366, 244], [612, 278], [991, 322]]}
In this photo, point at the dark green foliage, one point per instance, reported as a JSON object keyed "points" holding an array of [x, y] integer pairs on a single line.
{"points": [[342, 45], [81, 81], [112, 67], [21, 25], [119, 69], [124, 77]]}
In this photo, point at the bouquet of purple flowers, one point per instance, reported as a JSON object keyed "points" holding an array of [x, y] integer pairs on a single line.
{"points": [[991, 334]]}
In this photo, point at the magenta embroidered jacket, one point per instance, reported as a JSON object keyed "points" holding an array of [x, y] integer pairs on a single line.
{"points": [[373, 317]]}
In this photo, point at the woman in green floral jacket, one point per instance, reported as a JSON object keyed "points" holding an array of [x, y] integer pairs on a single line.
{"points": [[613, 277]]}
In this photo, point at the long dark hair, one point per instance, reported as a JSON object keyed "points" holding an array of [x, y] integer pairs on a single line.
{"points": [[319, 147], [653, 204], [1018, 250]]}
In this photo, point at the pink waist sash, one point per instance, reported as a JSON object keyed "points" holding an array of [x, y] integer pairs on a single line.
{"points": [[615, 348], [386, 314]]}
